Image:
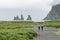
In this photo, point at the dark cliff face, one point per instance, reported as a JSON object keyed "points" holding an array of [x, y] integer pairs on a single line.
{"points": [[54, 14]]}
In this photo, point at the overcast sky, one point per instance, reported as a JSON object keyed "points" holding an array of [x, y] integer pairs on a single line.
{"points": [[56, 2], [38, 9]]}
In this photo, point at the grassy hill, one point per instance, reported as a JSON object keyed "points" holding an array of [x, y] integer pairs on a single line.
{"points": [[52, 24]]}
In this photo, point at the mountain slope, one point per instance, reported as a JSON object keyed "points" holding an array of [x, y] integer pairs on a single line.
{"points": [[54, 14]]}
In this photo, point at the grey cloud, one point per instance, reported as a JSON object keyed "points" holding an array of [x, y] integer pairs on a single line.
{"points": [[55, 2]]}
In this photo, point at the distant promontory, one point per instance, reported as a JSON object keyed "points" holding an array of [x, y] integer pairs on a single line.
{"points": [[54, 14]]}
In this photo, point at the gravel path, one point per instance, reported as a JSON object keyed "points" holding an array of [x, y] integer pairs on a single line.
{"points": [[46, 34]]}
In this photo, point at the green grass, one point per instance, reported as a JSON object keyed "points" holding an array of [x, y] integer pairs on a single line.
{"points": [[52, 24], [58, 33], [17, 34], [15, 30], [16, 24]]}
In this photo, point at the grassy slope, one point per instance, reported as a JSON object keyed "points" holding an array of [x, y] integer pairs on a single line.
{"points": [[14, 30], [16, 34], [52, 23], [16, 24]]}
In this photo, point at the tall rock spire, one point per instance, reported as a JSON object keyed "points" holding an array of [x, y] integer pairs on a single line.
{"points": [[22, 18], [29, 17]]}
